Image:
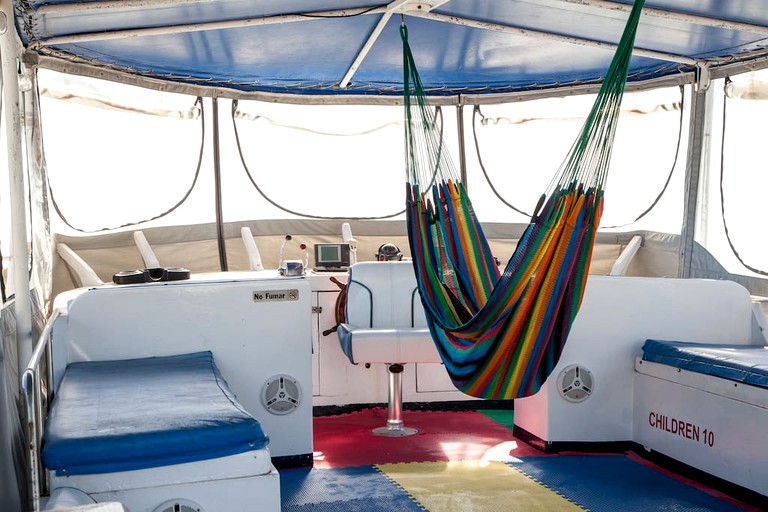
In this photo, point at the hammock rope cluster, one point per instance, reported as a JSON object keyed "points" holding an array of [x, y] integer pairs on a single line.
{"points": [[500, 333]]}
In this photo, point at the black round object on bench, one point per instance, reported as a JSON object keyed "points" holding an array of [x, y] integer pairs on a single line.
{"points": [[151, 275]]}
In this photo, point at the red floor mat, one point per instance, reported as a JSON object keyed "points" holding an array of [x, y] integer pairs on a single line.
{"points": [[346, 440]]}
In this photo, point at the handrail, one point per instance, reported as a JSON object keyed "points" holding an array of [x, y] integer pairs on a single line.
{"points": [[83, 271], [621, 265], [413, 305], [147, 254], [254, 256], [370, 298], [33, 410]]}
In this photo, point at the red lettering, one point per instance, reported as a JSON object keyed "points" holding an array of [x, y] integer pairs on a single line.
{"points": [[680, 427]]}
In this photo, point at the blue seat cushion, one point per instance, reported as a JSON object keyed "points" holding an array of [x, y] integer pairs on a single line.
{"points": [[739, 363], [132, 414]]}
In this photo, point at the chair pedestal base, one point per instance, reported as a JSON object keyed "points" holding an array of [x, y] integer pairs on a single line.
{"points": [[395, 426], [394, 431]]}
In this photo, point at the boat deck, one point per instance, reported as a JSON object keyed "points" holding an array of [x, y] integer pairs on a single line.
{"points": [[471, 461]]}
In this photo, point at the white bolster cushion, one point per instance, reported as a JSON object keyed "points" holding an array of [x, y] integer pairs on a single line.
{"points": [[401, 345]]}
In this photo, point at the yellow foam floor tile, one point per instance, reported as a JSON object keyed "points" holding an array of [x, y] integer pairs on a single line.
{"points": [[465, 486]]}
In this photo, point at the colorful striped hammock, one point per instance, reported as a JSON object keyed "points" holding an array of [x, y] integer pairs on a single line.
{"points": [[500, 334]]}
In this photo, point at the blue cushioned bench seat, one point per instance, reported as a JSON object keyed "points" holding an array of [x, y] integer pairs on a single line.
{"points": [[112, 416], [740, 363]]}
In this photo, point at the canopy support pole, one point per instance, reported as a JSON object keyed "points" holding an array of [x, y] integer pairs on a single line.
{"points": [[391, 8], [698, 152], [462, 146], [217, 182], [681, 17], [550, 36], [9, 51]]}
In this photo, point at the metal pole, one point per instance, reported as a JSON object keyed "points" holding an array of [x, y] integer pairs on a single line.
{"points": [[9, 52], [395, 426], [33, 410], [697, 152], [391, 8], [395, 409], [217, 179], [182, 28], [462, 147], [681, 17], [547, 35]]}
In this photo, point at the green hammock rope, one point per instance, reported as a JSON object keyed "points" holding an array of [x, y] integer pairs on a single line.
{"points": [[500, 334]]}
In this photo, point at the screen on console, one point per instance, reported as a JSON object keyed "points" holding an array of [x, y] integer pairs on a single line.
{"points": [[331, 256]]}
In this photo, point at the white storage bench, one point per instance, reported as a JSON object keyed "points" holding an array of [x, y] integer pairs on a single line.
{"points": [[158, 431], [705, 405]]}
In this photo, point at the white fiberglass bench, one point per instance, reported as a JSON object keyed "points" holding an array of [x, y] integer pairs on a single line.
{"points": [[706, 405], [385, 324], [144, 432]]}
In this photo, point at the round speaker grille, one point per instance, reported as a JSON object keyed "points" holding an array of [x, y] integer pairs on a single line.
{"points": [[281, 394], [575, 383], [179, 505]]}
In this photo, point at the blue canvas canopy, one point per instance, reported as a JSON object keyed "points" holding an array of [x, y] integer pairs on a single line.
{"points": [[336, 48]]}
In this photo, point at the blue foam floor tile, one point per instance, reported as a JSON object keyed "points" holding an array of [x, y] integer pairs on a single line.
{"points": [[616, 483], [350, 489]]}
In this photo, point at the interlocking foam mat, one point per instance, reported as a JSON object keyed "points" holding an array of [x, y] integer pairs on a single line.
{"points": [[346, 440], [564, 483], [471, 485], [466, 461], [617, 483], [363, 489]]}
